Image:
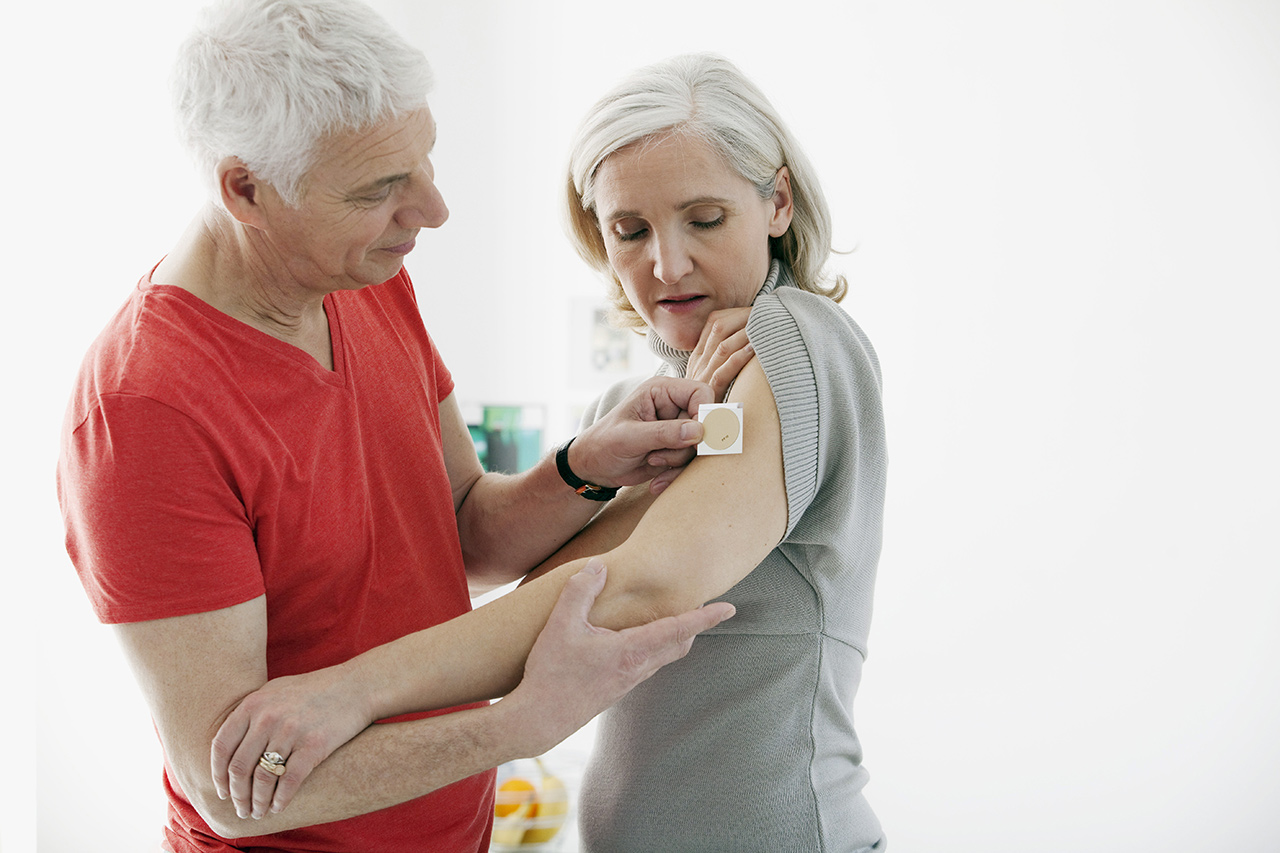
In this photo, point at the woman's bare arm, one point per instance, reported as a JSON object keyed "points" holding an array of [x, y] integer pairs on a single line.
{"points": [[692, 543]]}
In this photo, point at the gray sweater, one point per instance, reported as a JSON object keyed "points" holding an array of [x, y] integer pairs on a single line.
{"points": [[747, 744]]}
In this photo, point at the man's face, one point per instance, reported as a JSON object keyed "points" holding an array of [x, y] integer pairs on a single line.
{"points": [[365, 199]]}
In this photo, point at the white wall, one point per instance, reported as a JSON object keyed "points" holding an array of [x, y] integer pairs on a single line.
{"points": [[1067, 221]]}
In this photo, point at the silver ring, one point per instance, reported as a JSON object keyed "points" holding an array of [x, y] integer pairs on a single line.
{"points": [[272, 762]]}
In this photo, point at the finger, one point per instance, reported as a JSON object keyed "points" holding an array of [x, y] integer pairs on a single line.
{"points": [[264, 788], [224, 746], [726, 350], [659, 483], [658, 462], [581, 591], [671, 397], [720, 326], [669, 639], [729, 370], [676, 434], [242, 770], [689, 625], [719, 350], [299, 767]]}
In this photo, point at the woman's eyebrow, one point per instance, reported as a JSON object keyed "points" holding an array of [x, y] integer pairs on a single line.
{"points": [[706, 199], [693, 202]]}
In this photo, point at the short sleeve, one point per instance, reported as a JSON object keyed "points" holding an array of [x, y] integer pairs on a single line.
{"points": [[784, 355], [155, 527]]}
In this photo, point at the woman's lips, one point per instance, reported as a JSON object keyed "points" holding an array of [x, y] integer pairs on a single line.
{"points": [[681, 304]]}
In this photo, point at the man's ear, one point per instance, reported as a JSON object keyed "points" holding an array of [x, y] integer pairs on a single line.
{"points": [[782, 203], [241, 192]]}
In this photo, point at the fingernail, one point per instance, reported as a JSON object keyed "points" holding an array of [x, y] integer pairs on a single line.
{"points": [[594, 566], [690, 430], [240, 813]]}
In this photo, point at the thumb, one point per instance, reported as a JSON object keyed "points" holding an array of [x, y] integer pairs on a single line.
{"points": [[674, 434], [580, 593]]}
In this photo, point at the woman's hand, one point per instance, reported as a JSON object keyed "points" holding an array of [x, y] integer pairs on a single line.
{"points": [[303, 718], [722, 350]]}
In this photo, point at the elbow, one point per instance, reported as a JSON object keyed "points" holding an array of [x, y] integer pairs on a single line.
{"points": [[629, 602], [219, 814]]}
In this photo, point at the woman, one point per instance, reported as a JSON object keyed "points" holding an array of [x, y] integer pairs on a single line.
{"points": [[688, 192]]}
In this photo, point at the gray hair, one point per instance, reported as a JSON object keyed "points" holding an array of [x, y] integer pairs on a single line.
{"points": [[266, 80], [706, 97]]}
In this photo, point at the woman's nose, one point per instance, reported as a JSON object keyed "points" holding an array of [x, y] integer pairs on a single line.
{"points": [[672, 260]]}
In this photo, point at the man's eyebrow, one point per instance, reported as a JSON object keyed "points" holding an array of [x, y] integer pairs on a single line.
{"points": [[374, 186]]}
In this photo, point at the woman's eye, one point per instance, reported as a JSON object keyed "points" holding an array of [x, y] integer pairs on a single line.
{"points": [[709, 223], [626, 236]]}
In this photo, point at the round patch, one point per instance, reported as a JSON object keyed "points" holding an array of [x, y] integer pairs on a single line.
{"points": [[720, 429]]}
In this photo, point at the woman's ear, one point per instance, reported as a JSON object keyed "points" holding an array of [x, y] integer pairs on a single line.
{"points": [[780, 221], [240, 191]]}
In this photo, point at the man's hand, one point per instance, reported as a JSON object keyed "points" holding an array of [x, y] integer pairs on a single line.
{"points": [[645, 435], [576, 670], [302, 718]]}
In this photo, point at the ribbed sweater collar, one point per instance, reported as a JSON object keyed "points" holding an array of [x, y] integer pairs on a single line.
{"points": [[678, 360]]}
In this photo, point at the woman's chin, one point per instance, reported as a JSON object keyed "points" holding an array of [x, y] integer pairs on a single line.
{"points": [[683, 334]]}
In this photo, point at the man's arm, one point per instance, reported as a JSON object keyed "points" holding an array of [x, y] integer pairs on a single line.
{"points": [[704, 533], [194, 669], [508, 523]]}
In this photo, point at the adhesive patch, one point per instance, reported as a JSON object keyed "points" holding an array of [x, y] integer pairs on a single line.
{"points": [[722, 429]]}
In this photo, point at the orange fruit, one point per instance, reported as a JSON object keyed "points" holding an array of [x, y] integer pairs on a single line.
{"points": [[550, 811], [512, 794]]}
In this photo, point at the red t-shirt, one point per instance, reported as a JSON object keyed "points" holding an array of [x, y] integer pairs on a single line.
{"points": [[205, 463]]}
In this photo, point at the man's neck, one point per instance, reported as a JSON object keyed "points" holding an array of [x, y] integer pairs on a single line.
{"points": [[228, 266]]}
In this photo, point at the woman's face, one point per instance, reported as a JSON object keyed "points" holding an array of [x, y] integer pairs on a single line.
{"points": [[685, 233], [365, 199]]}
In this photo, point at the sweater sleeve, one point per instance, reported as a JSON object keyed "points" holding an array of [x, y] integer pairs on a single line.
{"points": [[784, 355], [817, 362]]}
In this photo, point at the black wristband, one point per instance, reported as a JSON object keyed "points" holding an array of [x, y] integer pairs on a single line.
{"points": [[590, 491]]}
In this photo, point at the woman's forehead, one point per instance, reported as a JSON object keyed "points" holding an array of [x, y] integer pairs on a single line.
{"points": [[675, 168]]}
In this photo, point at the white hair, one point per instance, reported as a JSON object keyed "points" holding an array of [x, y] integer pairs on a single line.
{"points": [[706, 97], [266, 80]]}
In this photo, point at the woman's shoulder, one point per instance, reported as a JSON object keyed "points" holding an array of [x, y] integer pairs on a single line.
{"points": [[790, 325]]}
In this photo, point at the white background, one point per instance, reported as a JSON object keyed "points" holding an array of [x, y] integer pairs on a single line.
{"points": [[1066, 218]]}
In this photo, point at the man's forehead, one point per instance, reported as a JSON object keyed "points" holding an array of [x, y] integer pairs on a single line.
{"points": [[385, 148]]}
